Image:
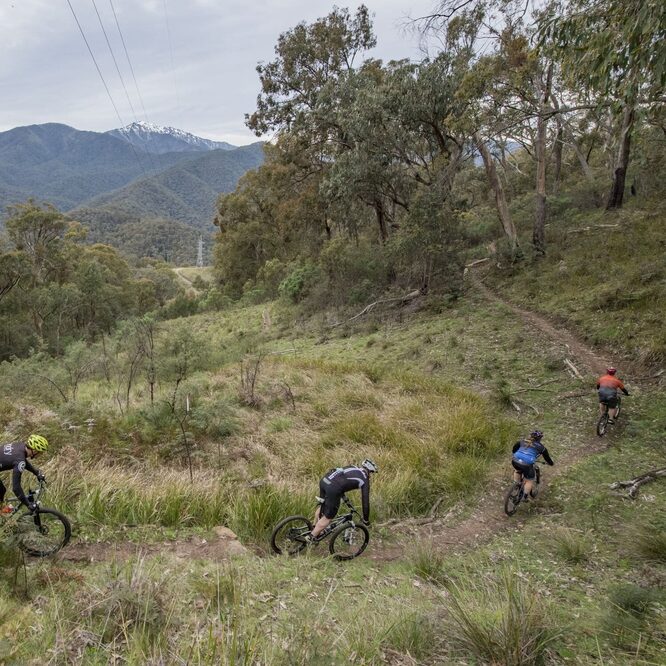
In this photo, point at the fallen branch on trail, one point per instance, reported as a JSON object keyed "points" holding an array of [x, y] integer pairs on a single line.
{"points": [[573, 368], [592, 227], [635, 484], [383, 301]]}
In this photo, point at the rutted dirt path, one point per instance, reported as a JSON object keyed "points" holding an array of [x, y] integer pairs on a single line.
{"points": [[447, 533]]}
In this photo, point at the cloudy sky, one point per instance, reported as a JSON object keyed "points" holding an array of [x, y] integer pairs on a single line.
{"points": [[194, 60]]}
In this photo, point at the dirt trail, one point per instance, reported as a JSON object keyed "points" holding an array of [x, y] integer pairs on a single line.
{"points": [[447, 533]]}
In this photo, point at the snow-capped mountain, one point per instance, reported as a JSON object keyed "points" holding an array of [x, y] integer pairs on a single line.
{"points": [[157, 139]]}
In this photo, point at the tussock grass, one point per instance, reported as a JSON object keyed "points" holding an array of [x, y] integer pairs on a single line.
{"points": [[628, 615], [572, 546], [429, 563], [499, 619], [650, 541]]}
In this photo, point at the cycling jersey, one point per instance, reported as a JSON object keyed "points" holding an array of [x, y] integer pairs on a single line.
{"points": [[338, 481], [527, 453], [612, 383], [13, 456]]}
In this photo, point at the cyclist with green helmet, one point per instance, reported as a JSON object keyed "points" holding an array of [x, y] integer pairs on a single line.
{"points": [[15, 456]]}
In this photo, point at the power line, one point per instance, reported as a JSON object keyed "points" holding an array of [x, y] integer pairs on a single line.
{"points": [[113, 57], [122, 81], [106, 87], [99, 71], [129, 62]]}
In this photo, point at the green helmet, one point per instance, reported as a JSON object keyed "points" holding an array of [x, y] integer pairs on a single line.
{"points": [[38, 443]]}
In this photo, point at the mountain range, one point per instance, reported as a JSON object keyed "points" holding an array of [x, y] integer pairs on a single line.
{"points": [[138, 172]]}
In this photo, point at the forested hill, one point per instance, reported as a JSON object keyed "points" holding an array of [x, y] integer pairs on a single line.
{"points": [[66, 166], [186, 192]]}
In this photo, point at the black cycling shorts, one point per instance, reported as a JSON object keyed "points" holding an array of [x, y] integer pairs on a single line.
{"points": [[608, 396], [332, 495], [525, 469]]}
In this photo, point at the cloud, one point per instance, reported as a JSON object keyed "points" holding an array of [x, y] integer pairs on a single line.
{"points": [[198, 75]]}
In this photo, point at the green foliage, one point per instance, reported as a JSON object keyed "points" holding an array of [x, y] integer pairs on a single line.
{"points": [[298, 282], [572, 546]]}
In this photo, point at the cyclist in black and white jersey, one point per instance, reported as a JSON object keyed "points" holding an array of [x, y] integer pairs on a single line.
{"points": [[334, 484]]}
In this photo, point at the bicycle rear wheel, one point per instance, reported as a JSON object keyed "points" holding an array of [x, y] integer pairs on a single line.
{"points": [[602, 424], [43, 533], [289, 535], [348, 541], [512, 499]]}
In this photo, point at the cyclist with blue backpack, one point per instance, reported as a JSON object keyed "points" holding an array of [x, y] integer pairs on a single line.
{"points": [[525, 454]]}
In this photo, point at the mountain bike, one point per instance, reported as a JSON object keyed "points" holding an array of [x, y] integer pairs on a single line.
{"points": [[603, 422], [348, 538], [40, 533], [516, 493]]}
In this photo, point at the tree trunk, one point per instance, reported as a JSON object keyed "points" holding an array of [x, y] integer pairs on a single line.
{"points": [[381, 220], [557, 155], [539, 234], [587, 171], [500, 198], [616, 196]]}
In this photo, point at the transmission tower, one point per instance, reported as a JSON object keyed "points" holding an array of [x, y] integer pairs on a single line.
{"points": [[200, 252]]}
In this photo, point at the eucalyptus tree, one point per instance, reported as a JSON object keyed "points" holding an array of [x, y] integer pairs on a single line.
{"points": [[509, 91], [617, 51]]}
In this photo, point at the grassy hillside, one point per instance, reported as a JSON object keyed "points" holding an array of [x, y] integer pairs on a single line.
{"points": [[575, 578]]}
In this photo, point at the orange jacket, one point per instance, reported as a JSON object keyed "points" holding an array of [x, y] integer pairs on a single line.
{"points": [[609, 381]]}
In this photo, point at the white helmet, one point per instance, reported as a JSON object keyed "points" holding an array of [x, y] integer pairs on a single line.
{"points": [[369, 465]]}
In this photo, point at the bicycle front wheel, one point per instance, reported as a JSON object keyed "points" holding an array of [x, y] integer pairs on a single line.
{"points": [[43, 533], [289, 535], [512, 499], [602, 424], [348, 541]]}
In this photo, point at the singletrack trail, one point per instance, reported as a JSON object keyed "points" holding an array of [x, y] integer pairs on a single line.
{"points": [[448, 533], [488, 517]]}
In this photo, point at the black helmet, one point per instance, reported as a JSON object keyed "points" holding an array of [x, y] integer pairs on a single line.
{"points": [[536, 435]]}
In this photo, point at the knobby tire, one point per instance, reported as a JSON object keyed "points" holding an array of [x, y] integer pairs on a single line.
{"points": [[285, 529], [512, 499], [41, 524], [340, 549], [602, 424]]}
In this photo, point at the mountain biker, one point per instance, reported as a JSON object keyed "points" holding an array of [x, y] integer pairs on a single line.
{"points": [[334, 484], [14, 456], [525, 454], [607, 387]]}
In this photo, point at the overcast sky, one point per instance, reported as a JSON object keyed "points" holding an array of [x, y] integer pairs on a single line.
{"points": [[194, 60]]}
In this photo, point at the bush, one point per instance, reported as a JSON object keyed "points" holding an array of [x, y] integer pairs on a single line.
{"points": [[296, 286]]}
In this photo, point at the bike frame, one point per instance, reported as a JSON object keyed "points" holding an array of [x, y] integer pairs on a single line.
{"points": [[339, 520]]}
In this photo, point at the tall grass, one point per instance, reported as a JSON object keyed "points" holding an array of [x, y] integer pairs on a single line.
{"points": [[499, 619]]}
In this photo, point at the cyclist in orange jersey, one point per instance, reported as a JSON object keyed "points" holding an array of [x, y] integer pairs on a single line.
{"points": [[607, 387]]}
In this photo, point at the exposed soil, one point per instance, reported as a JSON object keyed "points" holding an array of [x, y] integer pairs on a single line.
{"points": [[222, 546]]}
